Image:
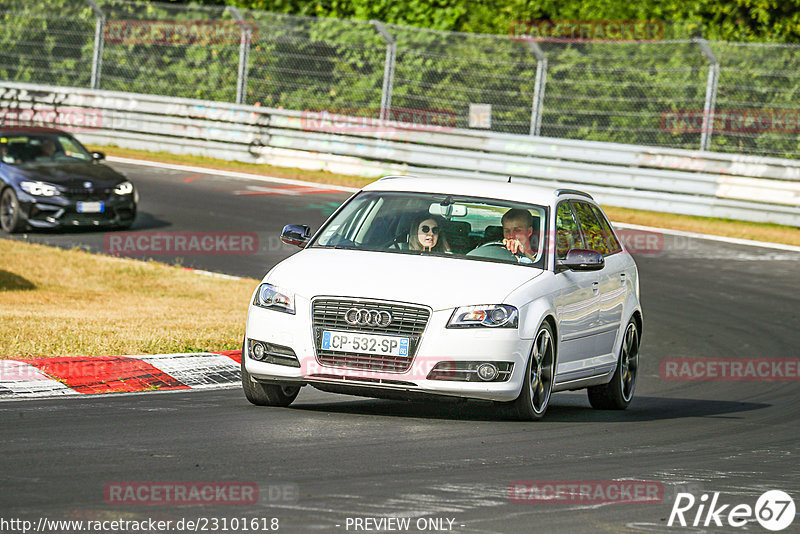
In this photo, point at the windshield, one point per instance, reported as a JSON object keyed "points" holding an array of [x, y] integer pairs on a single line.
{"points": [[442, 225], [23, 148]]}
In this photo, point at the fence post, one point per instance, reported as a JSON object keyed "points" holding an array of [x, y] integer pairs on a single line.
{"points": [[538, 88], [244, 56], [711, 93], [388, 69], [97, 56]]}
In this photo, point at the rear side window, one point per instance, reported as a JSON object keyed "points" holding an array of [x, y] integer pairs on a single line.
{"points": [[568, 235], [596, 236], [608, 232]]}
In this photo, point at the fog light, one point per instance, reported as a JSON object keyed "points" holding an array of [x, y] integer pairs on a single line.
{"points": [[487, 372], [258, 351]]}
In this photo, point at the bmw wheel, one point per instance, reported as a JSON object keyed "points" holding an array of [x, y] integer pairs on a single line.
{"points": [[10, 215], [266, 394], [617, 394], [539, 374]]}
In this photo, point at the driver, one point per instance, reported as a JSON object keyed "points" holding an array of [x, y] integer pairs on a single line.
{"points": [[517, 233], [48, 148]]}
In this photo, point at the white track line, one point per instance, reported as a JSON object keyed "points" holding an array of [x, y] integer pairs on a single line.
{"points": [[230, 174], [707, 237], [213, 274]]}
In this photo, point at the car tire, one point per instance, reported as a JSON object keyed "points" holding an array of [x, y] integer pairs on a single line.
{"points": [[266, 394], [618, 394], [537, 386], [10, 214]]}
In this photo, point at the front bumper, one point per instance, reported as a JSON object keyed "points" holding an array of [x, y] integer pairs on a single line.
{"points": [[60, 212], [437, 344]]}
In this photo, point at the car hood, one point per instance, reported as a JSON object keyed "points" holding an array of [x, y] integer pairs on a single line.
{"points": [[71, 174], [438, 282]]}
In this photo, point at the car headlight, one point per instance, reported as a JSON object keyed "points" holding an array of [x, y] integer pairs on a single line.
{"points": [[125, 188], [39, 189], [490, 315], [274, 298]]}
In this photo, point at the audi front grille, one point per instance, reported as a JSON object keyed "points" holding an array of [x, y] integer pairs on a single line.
{"points": [[407, 321]]}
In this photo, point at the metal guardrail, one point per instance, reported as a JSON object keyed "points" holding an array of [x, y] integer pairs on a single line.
{"points": [[676, 181]]}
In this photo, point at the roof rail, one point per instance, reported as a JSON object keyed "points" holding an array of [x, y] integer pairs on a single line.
{"points": [[560, 192]]}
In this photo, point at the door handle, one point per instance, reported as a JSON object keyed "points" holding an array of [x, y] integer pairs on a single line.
{"points": [[622, 278], [595, 287]]}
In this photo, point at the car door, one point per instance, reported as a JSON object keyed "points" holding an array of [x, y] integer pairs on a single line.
{"points": [[598, 236], [576, 304]]}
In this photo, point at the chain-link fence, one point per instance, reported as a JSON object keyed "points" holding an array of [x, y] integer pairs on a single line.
{"points": [[694, 94]]}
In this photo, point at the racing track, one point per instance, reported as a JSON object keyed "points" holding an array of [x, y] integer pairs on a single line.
{"points": [[351, 457]]}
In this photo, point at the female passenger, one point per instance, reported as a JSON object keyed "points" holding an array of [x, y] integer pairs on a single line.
{"points": [[425, 234]]}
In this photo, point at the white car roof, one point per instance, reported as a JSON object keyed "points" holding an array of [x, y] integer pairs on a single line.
{"points": [[516, 191]]}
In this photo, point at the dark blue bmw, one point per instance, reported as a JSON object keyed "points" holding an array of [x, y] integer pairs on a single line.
{"points": [[48, 180]]}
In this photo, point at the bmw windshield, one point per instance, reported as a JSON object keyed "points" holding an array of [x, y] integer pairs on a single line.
{"points": [[25, 149], [442, 225]]}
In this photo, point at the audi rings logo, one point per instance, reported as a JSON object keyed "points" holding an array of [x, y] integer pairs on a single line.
{"points": [[365, 317]]}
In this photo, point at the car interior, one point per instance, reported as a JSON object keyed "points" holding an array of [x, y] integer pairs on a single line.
{"points": [[391, 231]]}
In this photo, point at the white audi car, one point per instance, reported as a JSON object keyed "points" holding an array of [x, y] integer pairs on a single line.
{"points": [[444, 287]]}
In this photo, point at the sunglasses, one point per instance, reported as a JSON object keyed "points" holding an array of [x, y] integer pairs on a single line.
{"points": [[425, 229]]}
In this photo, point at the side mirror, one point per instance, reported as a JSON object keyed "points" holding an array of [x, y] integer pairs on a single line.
{"points": [[296, 234], [581, 260], [98, 156]]}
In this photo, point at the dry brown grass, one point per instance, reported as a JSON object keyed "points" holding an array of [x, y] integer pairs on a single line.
{"points": [[56, 302], [745, 230]]}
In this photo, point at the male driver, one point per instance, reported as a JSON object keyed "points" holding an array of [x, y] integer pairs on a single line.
{"points": [[47, 149], [517, 232]]}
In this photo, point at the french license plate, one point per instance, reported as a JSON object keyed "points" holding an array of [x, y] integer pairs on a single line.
{"points": [[365, 343], [91, 207]]}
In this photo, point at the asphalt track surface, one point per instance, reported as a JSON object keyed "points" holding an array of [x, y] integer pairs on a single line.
{"points": [[329, 459]]}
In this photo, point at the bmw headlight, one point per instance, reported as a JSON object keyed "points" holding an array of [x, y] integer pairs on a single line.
{"points": [[125, 188], [274, 298], [39, 189], [489, 315]]}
